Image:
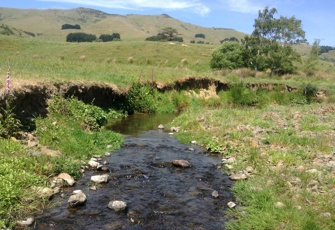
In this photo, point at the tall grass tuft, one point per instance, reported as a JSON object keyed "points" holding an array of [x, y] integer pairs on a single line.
{"points": [[130, 60], [82, 58]]}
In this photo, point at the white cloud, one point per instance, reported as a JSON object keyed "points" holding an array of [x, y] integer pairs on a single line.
{"points": [[244, 6], [193, 5]]}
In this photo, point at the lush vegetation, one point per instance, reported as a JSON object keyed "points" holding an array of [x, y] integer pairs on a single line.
{"points": [[270, 44]]}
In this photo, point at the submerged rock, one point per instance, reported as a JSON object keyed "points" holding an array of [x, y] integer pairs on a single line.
{"points": [[181, 163], [238, 176], [100, 178], [26, 223], [117, 205], [66, 177], [77, 198], [231, 204]]}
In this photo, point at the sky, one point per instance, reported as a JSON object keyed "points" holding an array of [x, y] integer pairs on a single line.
{"points": [[317, 16]]}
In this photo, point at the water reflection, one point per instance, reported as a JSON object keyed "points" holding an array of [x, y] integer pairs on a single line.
{"points": [[133, 125]]}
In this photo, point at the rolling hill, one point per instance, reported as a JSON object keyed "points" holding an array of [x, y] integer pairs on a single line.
{"points": [[46, 25]]}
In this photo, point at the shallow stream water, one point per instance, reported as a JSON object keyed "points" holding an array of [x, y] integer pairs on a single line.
{"points": [[159, 195]]}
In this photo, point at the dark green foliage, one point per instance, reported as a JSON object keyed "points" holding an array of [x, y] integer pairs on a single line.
{"points": [[229, 55], [91, 117], [230, 39], [110, 37], [140, 99], [310, 91], [6, 30], [29, 33], [326, 49], [158, 37], [200, 42], [81, 37], [9, 125], [241, 95], [192, 41], [200, 36], [167, 34], [269, 45], [69, 26]]}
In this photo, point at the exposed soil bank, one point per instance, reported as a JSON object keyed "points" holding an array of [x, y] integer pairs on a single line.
{"points": [[31, 100]]}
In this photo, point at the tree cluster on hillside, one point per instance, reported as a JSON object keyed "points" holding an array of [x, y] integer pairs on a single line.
{"points": [[6, 30], [230, 39], [326, 49], [69, 26], [167, 34], [200, 36], [110, 37], [83, 37], [269, 47]]}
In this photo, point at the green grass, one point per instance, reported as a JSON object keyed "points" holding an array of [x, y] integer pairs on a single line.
{"points": [[285, 141]]}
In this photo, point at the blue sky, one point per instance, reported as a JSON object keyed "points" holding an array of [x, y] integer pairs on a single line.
{"points": [[317, 16]]}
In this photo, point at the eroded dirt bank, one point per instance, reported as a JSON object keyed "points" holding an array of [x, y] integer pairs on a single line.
{"points": [[30, 100]]}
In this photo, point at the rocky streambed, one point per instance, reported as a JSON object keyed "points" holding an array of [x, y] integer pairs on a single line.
{"points": [[153, 182]]}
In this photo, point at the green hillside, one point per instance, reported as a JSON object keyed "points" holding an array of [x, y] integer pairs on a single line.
{"points": [[46, 24]]}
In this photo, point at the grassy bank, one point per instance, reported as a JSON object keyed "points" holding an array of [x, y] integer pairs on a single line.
{"points": [[62, 143], [290, 151]]}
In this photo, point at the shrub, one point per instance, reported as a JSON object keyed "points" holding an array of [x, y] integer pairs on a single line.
{"points": [[130, 60], [140, 99], [110, 37], [241, 95], [229, 55], [184, 61], [69, 26], [80, 37], [9, 125], [310, 91]]}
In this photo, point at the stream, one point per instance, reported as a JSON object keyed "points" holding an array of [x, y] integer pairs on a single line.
{"points": [[159, 195]]}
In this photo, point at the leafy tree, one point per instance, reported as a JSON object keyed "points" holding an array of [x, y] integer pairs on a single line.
{"points": [[229, 55], [167, 34], [310, 66], [269, 45]]}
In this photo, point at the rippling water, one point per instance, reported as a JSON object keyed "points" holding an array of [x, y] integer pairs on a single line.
{"points": [[159, 195]]}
